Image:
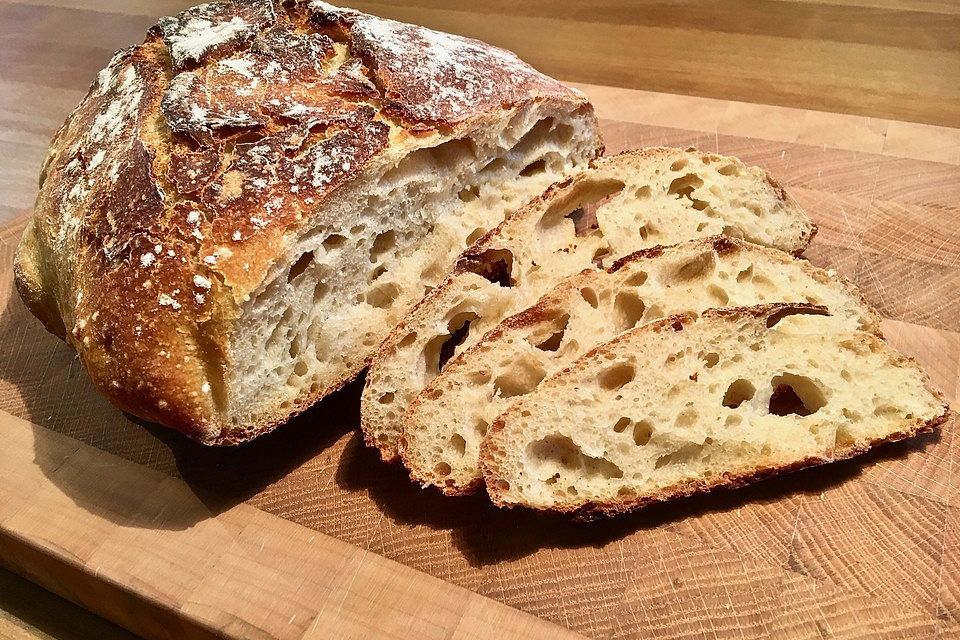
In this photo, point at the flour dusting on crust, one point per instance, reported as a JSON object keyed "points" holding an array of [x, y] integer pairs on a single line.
{"points": [[206, 28]]}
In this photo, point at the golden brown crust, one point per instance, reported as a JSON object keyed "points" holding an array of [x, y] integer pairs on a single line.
{"points": [[175, 184], [771, 312]]}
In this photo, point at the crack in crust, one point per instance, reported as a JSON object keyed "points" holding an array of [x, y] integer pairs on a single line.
{"points": [[172, 188]]}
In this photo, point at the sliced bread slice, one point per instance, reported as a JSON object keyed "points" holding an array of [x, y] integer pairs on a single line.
{"points": [[444, 425], [681, 406], [621, 204]]}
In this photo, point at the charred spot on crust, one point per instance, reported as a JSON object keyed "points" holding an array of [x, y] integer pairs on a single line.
{"points": [[724, 245]]}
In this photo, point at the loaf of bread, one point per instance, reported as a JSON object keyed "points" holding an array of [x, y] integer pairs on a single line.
{"points": [[683, 405], [623, 203], [244, 205], [444, 425]]}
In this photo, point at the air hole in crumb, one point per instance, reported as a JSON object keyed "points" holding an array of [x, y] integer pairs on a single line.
{"points": [[334, 241], [642, 431], [386, 398], [407, 340], [621, 425], [439, 350], [686, 418], [636, 279], [616, 376], [710, 358], [521, 379], [795, 395], [843, 438], [851, 415], [469, 194], [729, 170], [560, 452], [553, 342], [679, 165], [458, 444], [684, 185], [382, 296], [733, 420], [738, 392], [846, 375], [300, 266], [629, 309], [382, 243], [674, 358], [320, 290], [745, 274], [300, 368], [534, 168], [719, 295], [682, 455], [886, 411], [788, 311], [442, 469], [580, 205], [599, 255], [643, 193], [697, 267], [481, 426], [590, 296], [475, 235], [495, 265]]}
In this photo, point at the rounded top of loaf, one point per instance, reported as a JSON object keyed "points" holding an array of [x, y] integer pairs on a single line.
{"points": [[195, 156]]}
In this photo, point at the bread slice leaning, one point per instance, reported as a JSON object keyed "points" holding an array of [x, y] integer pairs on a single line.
{"points": [[444, 425], [621, 204], [684, 405]]}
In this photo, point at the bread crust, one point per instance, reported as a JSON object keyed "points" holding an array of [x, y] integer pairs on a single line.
{"points": [[177, 183], [594, 511]]}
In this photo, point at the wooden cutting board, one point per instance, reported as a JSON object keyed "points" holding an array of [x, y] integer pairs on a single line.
{"points": [[304, 533]]}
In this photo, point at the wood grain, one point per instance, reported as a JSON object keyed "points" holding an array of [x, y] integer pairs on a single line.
{"points": [[171, 540], [149, 554]]}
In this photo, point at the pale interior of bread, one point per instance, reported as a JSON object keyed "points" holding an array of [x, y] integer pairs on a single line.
{"points": [[340, 288], [655, 412], [445, 424], [628, 202]]}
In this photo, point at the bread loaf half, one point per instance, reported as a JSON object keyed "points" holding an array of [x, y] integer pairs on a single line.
{"points": [[444, 425], [243, 206], [683, 405], [621, 204]]}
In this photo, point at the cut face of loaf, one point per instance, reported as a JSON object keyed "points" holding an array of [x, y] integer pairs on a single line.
{"points": [[621, 204], [244, 204], [445, 424], [683, 405], [339, 289]]}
